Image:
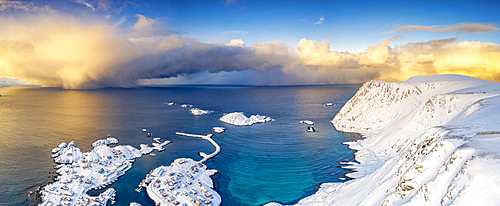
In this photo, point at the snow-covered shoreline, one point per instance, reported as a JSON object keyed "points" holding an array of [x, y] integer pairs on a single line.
{"points": [[174, 184], [430, 140], [80, 172]]}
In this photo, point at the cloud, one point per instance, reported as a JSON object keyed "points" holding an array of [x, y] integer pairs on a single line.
{"points": [[456, 28], [24, 6], [317, 63], [320, 21], [231, 2], [143, 22], [236, 42], [62, 51], [147, 27], [104, 5], [85, 3], [58, 50]]}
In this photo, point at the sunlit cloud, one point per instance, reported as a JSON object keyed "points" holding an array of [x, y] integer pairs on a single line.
{"points": [[148, 27], [236, 42], [398, 63], [62, 51], [456, 28], [320, 21]]}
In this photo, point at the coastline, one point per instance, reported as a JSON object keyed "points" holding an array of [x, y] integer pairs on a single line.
{"points": [[81, 172], [130, 135], [429, 140], [185, 181]]}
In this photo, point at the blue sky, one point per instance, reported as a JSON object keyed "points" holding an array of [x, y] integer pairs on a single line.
{"points": [[351, 24], [341, 33]]}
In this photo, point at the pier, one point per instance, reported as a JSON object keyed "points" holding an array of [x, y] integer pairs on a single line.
{"points": [[205, 137]]}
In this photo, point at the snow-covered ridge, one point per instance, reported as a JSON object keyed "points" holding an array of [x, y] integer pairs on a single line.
{"points": [[430, 140]]}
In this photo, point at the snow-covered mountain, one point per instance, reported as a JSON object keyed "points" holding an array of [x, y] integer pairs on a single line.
{"points": [[7, 81], [430, 140]]}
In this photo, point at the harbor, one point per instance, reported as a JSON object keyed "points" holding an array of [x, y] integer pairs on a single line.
{"points": [[185, 181]]}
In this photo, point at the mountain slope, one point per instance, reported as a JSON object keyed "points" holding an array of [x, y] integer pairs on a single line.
{"points": [[430, 140]]}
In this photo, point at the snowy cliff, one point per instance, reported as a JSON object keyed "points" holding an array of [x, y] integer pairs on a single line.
{"points": [[430, 140]]}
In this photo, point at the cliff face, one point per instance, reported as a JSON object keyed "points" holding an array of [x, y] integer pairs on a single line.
{"points": [[425, 144]]}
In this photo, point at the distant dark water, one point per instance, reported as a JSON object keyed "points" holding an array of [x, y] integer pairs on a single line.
{"points": [[277, 161]]}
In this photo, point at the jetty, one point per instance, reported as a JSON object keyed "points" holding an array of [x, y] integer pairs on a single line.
{"points": [[185, 181], [207, 137]]}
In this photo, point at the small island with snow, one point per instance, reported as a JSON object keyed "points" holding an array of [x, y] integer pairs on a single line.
{"points": [[239, 119], [185, 181], [80, 172], [199, 112]]}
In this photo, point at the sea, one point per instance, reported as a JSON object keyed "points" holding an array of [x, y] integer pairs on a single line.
{"points": [[275, 161]]}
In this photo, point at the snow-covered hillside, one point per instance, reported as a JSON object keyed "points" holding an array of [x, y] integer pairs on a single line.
{"points": [[430, 140]]}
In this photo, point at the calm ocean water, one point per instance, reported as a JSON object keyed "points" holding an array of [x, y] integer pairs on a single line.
{"points": [[277, 161]]}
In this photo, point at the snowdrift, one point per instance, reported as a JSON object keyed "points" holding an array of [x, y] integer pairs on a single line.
{"points": [[430, 140]]}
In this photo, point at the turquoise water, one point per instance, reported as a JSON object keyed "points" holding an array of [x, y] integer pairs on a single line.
{"points": [[276, 161]]}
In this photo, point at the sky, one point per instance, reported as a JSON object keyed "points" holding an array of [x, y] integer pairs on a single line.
{"points": [[82, 44]]}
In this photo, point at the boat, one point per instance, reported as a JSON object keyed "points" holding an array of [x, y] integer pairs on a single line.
{"points": [[311, 129], [329, 104], [219, 129], [308, 122], [56, 150]]}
